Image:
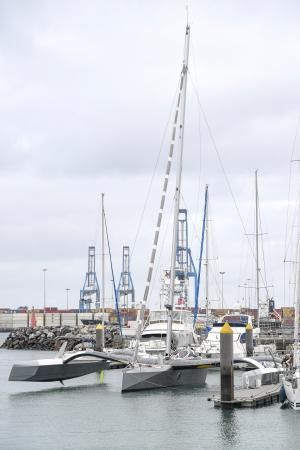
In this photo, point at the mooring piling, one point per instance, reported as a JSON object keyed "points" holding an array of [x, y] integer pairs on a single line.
{"points": [[226, 363], [99, 337], [249, 340]]}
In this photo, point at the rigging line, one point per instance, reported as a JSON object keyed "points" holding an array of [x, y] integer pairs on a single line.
{"points": [[213, 271], [213, 234], [191, 222], [155, 169], [292, 270], [161, 252], [97, 227], [200, 167], [201, 256], [294, 220], [223, 168], [290, 176], [179, 109], [113, 276], [288, 208], [263, 253], [198, 198], [212, 244], [199, 130], [264, 259], [243, 265], [264, 280]]}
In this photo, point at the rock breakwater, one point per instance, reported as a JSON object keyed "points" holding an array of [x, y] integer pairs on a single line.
{"points": [[51, 338]]}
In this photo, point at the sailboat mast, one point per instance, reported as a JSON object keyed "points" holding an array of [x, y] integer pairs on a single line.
{"points": [[183, 86], [206, 257], [141, 313], [102, 265], [256, 246], [297, 309]]}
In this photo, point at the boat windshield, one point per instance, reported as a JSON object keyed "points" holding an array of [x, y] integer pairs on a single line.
{"points": [[236, 319]]}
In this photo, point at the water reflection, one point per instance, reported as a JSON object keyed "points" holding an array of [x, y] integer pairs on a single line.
{"points": [[53, 390], [229, 432]]}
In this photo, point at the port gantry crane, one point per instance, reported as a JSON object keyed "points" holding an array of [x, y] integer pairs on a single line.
{"points": [[125, 287], [91, 286], [185, 267]]}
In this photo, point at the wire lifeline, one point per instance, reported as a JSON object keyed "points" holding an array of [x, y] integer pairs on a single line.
{"points": [[224, 173], [153, 173]]}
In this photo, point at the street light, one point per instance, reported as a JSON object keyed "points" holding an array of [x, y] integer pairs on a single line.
{"points": [[245, 294], [44, 270], [67, 291], [222, 275], [44, 316], [249, 301]]}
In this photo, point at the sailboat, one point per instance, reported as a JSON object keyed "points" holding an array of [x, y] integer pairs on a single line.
{"points": [[291, 379], [170, 370]]}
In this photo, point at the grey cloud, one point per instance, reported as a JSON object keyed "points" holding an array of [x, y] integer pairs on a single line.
{"points": [[86, 90]]}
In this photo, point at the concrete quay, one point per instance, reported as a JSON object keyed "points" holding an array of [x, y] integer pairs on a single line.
{"points": [[11, 321]]}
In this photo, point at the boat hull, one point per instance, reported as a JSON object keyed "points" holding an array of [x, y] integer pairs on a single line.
{"points": [[292, 391], [54, 370], [144, 378]]}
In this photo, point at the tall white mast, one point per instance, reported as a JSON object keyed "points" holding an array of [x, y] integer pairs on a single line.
{"points": [[257, 254], [170, 304], [206, 257], [297, 308], [141, 313], [102, 266]]}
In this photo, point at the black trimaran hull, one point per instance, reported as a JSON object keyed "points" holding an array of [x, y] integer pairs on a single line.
{"points": [[58, 369]]}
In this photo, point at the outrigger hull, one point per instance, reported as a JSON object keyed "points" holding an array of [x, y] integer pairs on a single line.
{"points": [[56, 369]]}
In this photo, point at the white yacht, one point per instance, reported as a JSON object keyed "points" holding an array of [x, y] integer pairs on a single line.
{"points": [[291, 383], [210, 347], [154, 335]]}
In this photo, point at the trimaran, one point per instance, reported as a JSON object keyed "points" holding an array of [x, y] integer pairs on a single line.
{"points": [[170, 371]]}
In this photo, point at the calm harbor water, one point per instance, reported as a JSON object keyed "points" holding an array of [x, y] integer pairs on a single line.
{"points": [[88, 415]]}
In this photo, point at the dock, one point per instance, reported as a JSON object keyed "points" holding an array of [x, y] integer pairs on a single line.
{"points": [[251, 398]]}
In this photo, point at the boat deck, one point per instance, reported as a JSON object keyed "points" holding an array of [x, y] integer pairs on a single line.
{"points": [[251, 398]]}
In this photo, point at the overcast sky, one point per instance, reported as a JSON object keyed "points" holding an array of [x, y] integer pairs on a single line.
{"points": [[87, 89]]}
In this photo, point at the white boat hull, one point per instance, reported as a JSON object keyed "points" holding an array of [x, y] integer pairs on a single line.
{"points": [[292, 390]]}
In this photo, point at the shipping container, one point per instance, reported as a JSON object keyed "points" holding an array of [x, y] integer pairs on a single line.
{"points": [[288, 311]]}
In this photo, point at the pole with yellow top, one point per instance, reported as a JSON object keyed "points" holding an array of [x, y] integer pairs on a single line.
{"points": [[249, 339], [99, 337], [226, 362]]}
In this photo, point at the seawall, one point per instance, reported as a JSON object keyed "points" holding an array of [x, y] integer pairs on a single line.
{"points": [[51, 338]]}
